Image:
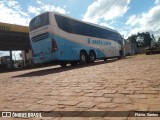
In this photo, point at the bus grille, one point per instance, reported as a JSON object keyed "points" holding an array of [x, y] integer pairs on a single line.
{"points": [[40, 37]]}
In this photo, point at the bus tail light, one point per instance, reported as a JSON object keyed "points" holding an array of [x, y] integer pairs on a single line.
{"points": [[54, 46]]}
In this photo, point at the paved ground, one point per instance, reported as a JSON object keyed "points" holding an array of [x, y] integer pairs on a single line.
{"points": [[132, 83]]}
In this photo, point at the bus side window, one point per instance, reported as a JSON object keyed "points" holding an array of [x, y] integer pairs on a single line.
{"points": [[113, 37]]}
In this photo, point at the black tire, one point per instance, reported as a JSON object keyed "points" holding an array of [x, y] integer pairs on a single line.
{"points": [[63, 64], [83, 58], [92, 57], [120, 55], [74, 63], [105, 59]]}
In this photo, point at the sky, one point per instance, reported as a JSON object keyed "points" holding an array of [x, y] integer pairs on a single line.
{"points": [[126, 16]]}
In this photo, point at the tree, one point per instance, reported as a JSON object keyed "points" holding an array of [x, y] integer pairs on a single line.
{"points": [[142, 39], [159, 39], [147, 39], [153, 38], [132, 39]]}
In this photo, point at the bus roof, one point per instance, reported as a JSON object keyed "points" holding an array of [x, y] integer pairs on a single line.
{"points": [[96, 25]]}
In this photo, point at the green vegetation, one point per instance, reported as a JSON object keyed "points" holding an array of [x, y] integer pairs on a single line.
{"points": [[142, 39]]}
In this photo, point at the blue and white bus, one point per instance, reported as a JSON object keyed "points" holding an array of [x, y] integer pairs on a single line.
{"points": [[57, 37]]}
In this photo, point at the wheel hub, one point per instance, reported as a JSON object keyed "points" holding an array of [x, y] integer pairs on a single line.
{"points": [[83, 57]]}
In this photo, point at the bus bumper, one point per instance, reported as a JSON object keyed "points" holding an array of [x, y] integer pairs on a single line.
{"points": [[44, 59]]}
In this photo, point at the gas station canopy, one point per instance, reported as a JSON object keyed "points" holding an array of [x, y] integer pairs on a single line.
{"points": [[14, 37]]}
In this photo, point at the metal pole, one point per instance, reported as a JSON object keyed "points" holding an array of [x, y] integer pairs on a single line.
{"points": [[25, 57], [11, 61]]}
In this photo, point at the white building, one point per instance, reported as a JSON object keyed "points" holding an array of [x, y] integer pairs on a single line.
{"points": [[27, 57], [130, 48]]}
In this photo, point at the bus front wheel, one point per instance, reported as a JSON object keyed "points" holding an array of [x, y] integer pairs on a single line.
{"points": [[83, 58]]}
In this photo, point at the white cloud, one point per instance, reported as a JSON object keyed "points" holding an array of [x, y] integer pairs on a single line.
{"points": [[34, 10], [106, 9], [124, 34], [45, 7], [133, 20], [149, 21], [106, 25], [53, 8], [39, 2], [11, 12], [157, 1]]}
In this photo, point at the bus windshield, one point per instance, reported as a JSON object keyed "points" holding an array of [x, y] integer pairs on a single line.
{"points": [[39, 21]]}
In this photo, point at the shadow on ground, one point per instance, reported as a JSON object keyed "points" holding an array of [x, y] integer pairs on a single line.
{"points": [[61, 69]]}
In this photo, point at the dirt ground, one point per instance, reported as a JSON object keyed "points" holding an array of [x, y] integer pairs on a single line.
{"points": [[129, 84]]}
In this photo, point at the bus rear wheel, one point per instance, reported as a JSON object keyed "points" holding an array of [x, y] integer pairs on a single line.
{"points": [[63, 64], [83, 58], [92, 57]]}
